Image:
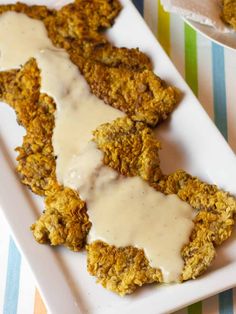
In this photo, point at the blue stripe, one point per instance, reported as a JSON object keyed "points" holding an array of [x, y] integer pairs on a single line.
{"points": [[220, 110], [139, 5], [12, 281], [226, 302], [218, 68]]}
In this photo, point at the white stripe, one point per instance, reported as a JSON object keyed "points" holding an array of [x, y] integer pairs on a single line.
{"points": [[177, 43], [150, 14], [210, 305], [26, 290], [4, 244], [230, 82], [205, 82]]}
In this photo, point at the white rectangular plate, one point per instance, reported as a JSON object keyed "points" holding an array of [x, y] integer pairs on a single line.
{"points": [[190, 141]]}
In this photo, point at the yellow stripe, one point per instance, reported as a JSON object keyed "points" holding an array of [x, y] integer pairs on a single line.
{"points": [[39, 307], [163, 32]]}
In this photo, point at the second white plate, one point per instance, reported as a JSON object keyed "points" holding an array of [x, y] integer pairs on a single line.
{"points": [[227, 40]]}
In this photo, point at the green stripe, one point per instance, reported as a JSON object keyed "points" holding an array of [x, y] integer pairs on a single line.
{"points": [[195, 308], [191, 76], [163, 31], [191, 72]]}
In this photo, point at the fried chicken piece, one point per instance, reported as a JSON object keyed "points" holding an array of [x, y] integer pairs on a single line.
{"points": [[79, 32], [140, 94], [35, 113], [64, 220], [73, 19], [5, 80], [213, 223], [116, 268], [229, 12], [36, 162], [120, 269], [121, 77], [35, 11], [19, 89], [120, 57], [130, 148]]}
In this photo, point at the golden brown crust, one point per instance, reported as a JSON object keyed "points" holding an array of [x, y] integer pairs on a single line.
{"points": [[140, 94], [120, 57], [129, 148], [35, 11], [121, 77], [121, 270], [64, 220], [229, 12], [213, 224]]}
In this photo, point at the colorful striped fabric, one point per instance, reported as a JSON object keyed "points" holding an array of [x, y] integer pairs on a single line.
{"points": [[210, 71]]}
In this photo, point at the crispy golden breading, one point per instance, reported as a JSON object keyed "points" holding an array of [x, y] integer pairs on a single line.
{"points": [[121, 57], [129, 148], [19, 89], [140, 94], [120, 269], [229, 12], [35, 113], [79, 31], [121, 77], [64, 220], [213, 224], [205, 198]]}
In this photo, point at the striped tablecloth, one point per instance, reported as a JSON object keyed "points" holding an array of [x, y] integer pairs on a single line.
{"points": [[210, 70]]}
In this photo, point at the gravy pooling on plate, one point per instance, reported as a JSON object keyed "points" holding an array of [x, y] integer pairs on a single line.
{"points": [[123, 211]]}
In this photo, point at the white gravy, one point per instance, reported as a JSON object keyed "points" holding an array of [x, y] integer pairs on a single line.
{"points": [[78, 113], [20, 39], [123, 211]]}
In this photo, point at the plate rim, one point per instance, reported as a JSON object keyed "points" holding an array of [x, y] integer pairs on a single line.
{"points": [[194, 25], [192, 300]]}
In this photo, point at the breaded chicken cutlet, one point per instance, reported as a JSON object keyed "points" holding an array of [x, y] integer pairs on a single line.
{"points": [[124, 269], [65, 220], [122, 78], [229, 12]]}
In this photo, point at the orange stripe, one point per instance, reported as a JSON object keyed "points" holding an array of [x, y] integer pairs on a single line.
{"points": [[39, 307]]}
